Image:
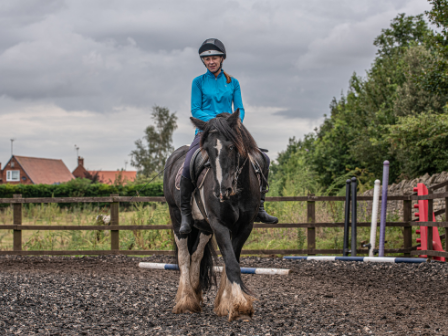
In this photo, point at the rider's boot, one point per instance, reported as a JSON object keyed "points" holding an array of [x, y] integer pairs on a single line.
{"points": [[263, 216], [186, 189]]}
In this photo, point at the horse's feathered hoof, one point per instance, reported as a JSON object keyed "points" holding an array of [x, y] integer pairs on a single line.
{"points": [[187, 304], [233, 301]]}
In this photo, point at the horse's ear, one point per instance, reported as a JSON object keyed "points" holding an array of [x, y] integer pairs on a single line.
{"points": [[234, 119], [198, 123]]}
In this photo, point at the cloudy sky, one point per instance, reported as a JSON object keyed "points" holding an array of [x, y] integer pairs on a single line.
{"points": [[87, 73]]}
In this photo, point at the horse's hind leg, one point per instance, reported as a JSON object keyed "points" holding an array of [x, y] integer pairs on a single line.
{"points": [[186, 300], [231, 298], [195, 266]]}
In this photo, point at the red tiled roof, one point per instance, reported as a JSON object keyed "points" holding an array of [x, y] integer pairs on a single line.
{"points": [[45, 171], [109, 176]]}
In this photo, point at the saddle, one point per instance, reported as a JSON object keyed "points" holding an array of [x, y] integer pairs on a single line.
{"points": [[199, 167]]}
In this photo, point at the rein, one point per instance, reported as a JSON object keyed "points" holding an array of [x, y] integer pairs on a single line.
{"points": [[240, 169]]}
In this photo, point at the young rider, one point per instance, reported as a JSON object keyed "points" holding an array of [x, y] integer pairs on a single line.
{"points": [[212, 93]]}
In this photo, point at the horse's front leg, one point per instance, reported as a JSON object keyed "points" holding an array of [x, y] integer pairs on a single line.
{"points": [[240, 238], [231, 298], [186, 299]]}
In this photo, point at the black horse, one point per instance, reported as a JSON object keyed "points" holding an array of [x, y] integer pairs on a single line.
{"points": [[231, 197]]}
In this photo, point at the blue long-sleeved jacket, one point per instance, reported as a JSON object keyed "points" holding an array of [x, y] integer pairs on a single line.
{"points": [[211, 96]]}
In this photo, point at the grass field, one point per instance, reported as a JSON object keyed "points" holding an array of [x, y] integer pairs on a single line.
{"points": [[157, 214]]}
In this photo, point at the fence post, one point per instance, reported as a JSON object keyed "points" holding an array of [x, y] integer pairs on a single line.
{"points": [[114, 220], [17, 214], [446, 220], [430, 228], [311, 232], [407, 230]]}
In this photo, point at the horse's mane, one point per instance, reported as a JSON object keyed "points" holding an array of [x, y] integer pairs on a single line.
{"points": [[238, 135]]}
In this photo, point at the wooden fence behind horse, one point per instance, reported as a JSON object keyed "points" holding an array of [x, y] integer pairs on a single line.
{"points": [[310, 225]]}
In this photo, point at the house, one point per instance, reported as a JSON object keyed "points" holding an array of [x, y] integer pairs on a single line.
{"points": [[31, 170], [104, 176]]}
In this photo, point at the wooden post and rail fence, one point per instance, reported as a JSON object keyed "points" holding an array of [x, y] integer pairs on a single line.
{"points": [[310, 225]]}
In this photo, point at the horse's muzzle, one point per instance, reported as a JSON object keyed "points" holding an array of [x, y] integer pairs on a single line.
{"points": [[225, 194]]}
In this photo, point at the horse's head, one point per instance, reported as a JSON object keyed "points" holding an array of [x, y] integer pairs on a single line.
{"points": [[227, 143]]}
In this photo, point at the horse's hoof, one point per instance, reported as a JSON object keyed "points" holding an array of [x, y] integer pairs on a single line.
{"points": [[244, 318]]}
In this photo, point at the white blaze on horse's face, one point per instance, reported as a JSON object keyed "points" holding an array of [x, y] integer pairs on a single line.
{"points": [[218, 165]]}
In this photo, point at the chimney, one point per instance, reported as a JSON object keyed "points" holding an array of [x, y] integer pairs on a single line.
{"points": [[80, 161]]}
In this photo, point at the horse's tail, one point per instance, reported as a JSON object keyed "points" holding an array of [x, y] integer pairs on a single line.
{"points": [[207, 277]]}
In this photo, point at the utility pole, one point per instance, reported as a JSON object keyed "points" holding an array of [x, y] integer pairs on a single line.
{"points": [[12, 146]]}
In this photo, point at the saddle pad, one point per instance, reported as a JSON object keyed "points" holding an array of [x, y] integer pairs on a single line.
{"points": [[178, 175], [199, 181]]}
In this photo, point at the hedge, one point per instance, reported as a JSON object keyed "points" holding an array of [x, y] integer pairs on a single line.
{"points": [[79, 190]]}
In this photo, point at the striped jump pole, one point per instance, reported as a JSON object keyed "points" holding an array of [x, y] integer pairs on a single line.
{"points": [[244, 270], [366, 259]]}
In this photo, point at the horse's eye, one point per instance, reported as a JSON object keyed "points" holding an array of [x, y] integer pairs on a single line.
{"points": [[231, 147]]}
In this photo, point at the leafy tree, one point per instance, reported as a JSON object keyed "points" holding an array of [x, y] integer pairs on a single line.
{"points": [[94, 176], [404, 31], [155, 147], [411, 98], [292, 175], [353, 138], [435, 79], [380, 116], [421, 143]]}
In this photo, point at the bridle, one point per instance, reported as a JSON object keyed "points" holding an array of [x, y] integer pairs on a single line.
{"points": [[240, 169]]}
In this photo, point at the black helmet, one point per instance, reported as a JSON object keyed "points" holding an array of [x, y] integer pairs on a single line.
{"points": [[212, 47]]}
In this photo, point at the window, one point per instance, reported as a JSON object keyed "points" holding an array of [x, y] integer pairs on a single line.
{"points": [[13, 175]]}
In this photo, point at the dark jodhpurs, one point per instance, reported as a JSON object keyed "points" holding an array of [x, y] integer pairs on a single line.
{"points": [[193, 147]]}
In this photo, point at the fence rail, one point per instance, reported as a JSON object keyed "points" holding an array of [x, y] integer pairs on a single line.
{"points": [[125, 199], [17, 201]]}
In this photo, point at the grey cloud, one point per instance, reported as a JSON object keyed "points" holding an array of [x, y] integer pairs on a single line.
{"points": [[107, 56]]}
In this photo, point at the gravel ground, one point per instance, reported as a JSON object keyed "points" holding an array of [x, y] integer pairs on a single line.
{"points": [[112, 296]]}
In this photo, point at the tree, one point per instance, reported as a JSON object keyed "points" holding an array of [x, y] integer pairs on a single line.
{"points": [[421, 144], [156, 145], [404, 32], [354, 137], [380, 116], [435, 80]]}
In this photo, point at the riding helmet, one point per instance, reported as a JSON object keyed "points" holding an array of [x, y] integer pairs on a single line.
{"points": [[212, 47]]}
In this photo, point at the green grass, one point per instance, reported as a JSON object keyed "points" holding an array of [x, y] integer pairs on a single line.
{"points": [[157, 214], [51, 214]]}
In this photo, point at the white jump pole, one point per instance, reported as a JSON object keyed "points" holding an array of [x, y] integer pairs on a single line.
{"points": [[376, 196], [244, 270]]}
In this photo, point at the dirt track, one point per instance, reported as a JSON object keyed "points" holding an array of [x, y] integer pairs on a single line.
{"points": [[112, 296]]}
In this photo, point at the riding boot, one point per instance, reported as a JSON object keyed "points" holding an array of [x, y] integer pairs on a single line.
{"points": [[263, 216], [186, 189]]}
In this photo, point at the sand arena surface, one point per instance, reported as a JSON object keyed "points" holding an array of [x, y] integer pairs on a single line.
{"points": [[112, 296]]}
